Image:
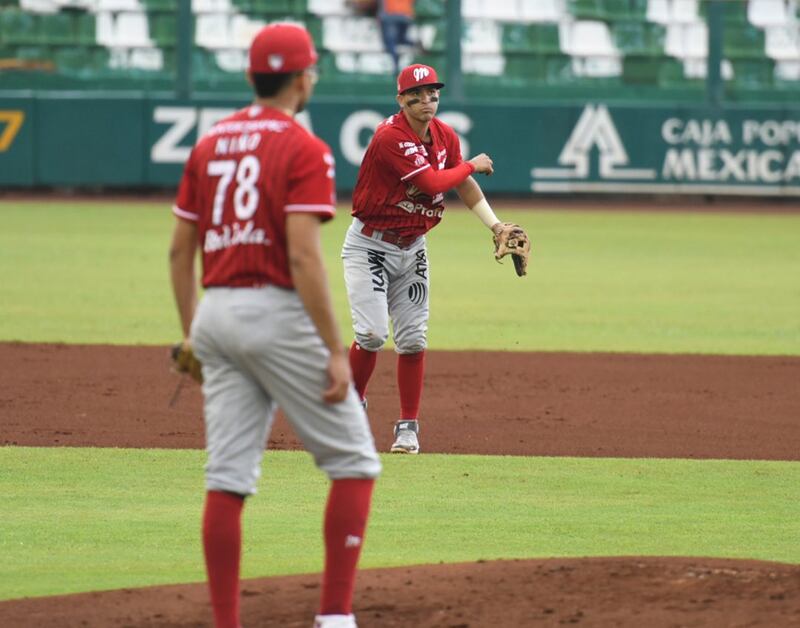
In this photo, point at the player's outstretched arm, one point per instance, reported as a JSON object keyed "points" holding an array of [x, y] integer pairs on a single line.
{"points": [[432, 181], [181, 264], [311, 282], [472, 196]]}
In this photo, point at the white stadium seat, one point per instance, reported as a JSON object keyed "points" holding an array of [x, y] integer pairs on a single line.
{"points": [[684, 11], [687, 41], [471, 9], [502, 10], [659, 11], [587, 38], [212, 30], [211, 6], [697, 68], [329, 7], [542, 10], [118, 5], [132, 30], [782, 43], [484, 64], [481, 37], [787, 70], [763, 13], [233, 60], [354, 34], [151, 59], [243, 30]]}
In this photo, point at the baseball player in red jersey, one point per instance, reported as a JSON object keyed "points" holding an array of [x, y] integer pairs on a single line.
{"points": [[411, 161], [253, 194]]}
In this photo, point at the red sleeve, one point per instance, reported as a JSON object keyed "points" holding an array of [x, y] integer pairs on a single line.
{"points": [[311, 183], [433, 181], [186, 202], [453, 149], [402, 157]]}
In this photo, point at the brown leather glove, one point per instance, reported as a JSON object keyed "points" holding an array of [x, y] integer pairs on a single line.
{"points": [[186, 362], [511, 239]]}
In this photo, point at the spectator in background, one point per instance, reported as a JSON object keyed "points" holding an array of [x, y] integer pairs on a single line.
{"points": [[395, 17]]}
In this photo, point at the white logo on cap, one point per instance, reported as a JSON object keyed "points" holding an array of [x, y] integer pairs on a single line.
{"points": [[275, 61], [420, 73]]}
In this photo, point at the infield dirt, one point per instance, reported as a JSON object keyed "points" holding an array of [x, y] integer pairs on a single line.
{"points": [[555, 404]]}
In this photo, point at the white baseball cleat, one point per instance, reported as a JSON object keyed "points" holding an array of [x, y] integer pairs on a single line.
{"points": [[405, 438], [335, 621]]}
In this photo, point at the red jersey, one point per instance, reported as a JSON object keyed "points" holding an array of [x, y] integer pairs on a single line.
{"points": [[385, 196], [241, 180]]}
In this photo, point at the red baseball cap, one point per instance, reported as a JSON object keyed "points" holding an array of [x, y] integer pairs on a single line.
{"points": [[417, 75], [280, 48]]}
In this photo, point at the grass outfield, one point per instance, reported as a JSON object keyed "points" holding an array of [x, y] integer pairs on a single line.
{"points": [[85, 519], [91, 519], [599, 281]]}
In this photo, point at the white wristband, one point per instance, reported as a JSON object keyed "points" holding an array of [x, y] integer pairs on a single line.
{"points": [[484, 211]]}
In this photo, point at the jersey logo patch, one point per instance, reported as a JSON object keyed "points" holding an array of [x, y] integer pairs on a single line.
{"points": [[417, 293], [422, 265], [377, 262]]}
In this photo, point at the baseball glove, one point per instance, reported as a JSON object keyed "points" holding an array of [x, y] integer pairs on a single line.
{"points": [[186, 362], [511, 239]]}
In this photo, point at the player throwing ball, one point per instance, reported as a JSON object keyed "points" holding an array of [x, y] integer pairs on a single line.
{"points": [[412, 160]]}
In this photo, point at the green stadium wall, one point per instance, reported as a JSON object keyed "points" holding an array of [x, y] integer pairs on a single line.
{"points": [[597, 147]]}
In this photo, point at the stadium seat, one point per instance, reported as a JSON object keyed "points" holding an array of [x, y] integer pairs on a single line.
{"points": [[502, 10], [787, 74], [212, 6], [351, 35], [132, 30], [330, 7], [659, 11], [781, 43], [57, 29], [588, 38], [671, 74], [39, 6], [697, 68], [541, 10], [754, 74], [233, 60], [212, 31], [85, 29], [641, 70], [586, 9], [19, 27], [743, 41], [163, 29], [73, 60], [684, 12], [429, 8], [763, 13], [481, 37], [639, 38], [117, 5], [243, 30], [472, 9], [687, 40], [531, 38], [430, 34], [616, 10]]}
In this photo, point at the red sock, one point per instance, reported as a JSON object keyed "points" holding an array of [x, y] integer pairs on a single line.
{"points": [[222, 542], [362, 363], [345, 522], [410, 369]]}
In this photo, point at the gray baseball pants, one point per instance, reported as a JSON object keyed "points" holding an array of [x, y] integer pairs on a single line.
{"points": [[259, 350], [386, 282]]}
